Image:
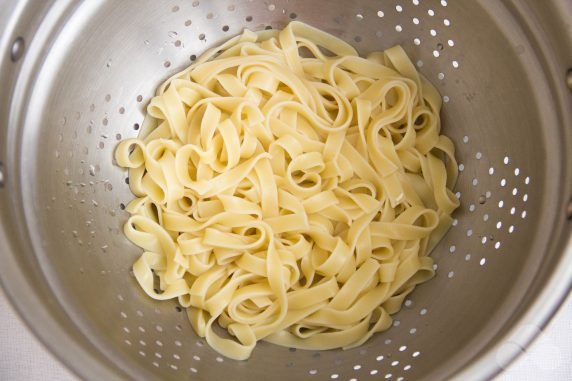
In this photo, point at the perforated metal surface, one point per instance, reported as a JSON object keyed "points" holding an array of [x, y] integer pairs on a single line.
{"points": [[83, 84]]}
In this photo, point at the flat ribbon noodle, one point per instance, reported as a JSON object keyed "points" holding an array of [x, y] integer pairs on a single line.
{"points": [[286, 197]]}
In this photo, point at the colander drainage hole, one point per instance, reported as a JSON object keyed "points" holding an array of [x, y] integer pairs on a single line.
{"points": [[568, 207], [18, 48], [1, 175], [569, 78]]}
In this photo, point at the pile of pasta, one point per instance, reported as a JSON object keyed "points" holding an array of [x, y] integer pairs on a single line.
{"points": [[289, 190]]}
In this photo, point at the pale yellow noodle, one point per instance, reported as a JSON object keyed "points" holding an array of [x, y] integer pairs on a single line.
{"points": [[289, 199]]}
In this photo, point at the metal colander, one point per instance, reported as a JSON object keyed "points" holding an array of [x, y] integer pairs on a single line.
{"points": [[76, 77]]}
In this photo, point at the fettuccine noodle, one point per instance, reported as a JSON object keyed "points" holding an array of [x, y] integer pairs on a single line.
{"points": [[289, 190]]}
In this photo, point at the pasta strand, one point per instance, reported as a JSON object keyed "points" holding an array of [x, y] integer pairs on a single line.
{"points": [[289, 190]]}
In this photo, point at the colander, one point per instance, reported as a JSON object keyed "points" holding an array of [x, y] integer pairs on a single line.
{"points": [[76, 77]]}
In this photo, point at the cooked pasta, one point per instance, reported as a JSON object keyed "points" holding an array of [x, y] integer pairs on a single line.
{"points": [[289, 190]]}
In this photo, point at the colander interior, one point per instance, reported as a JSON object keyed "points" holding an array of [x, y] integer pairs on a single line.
{"points": [[90, 89]]}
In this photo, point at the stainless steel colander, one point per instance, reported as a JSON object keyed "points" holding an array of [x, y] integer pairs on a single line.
{"points": [[75, 79]]}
